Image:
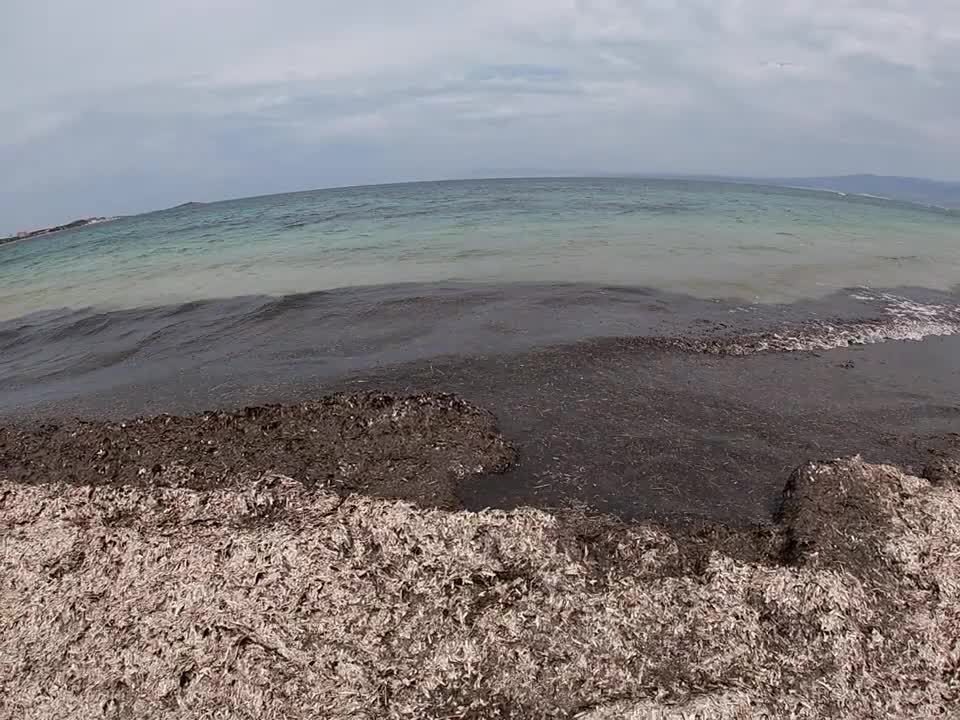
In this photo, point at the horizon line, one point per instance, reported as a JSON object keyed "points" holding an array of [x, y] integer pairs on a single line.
{"points": [[760, 181]]}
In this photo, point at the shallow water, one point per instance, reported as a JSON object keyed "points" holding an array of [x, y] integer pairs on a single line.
{"points": [[56, 357], [323, 285], [705, 239]]}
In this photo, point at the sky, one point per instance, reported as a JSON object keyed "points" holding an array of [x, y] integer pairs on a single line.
{"points": [[119, 106]]}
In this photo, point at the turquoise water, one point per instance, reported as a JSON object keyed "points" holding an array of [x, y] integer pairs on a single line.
{"points": [[704, 239]]}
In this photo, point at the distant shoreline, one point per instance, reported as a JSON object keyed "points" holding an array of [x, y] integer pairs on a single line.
{"points": [[30, 235]]}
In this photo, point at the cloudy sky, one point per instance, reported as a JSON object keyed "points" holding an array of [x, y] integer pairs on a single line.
{"points": [[113, 106]]}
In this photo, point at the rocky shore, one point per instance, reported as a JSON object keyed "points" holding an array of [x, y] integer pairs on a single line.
{"points": [[310, 561]]}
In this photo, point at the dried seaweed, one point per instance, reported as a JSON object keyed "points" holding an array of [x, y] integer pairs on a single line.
{"points": [[268, 598]]}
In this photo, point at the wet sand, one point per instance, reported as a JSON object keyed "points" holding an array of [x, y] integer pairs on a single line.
{"points": [[650, 434], [411, 448], [633, 430]]}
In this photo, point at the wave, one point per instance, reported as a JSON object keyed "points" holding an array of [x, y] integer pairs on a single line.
{"points": [[903, 319], [331, 335]]}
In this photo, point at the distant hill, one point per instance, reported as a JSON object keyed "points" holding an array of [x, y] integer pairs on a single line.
{"points": [[186, 205]]}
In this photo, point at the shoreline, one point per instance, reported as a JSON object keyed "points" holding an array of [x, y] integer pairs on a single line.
{"points": [[604, 529], [620, 427], [485, 498]]}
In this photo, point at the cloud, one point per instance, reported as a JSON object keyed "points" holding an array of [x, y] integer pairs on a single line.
{"points": [[233, 96]]}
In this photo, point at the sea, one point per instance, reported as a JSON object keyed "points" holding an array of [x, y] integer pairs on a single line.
{"points": [[579, 310]]}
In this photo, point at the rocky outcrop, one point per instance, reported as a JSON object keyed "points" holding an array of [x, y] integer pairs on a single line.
{"points": [[56, 228]]}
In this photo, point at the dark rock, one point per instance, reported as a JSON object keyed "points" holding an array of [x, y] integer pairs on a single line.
{"points": [[943, 472]]}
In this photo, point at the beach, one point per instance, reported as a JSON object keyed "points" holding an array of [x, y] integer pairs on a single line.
{"points": [[726, 493], [255, 594], [626, 529]]}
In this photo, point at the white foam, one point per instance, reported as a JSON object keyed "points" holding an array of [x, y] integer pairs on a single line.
{"points": [[904, 319]]}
